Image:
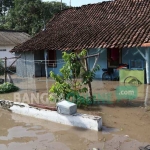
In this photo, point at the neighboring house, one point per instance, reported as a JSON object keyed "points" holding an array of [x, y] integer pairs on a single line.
{"points": [[8, 40], [119, 29]]}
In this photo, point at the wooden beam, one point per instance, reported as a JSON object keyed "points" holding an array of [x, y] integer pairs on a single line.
{"points": [[16, 58], [96, 60], [89, 56], [12, 57], [145, 45]]}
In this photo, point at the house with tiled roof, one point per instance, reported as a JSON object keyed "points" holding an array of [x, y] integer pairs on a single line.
{"points": [[119, 30], [8, 40]]}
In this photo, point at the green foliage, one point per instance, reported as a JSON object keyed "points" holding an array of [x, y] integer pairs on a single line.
{"points": [[78, 99], [5, 5], [7, 88], [68, 85], [88, 76], [29, 15], [67, 82]]}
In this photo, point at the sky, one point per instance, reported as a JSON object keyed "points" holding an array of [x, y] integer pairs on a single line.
{"points": [[77, 2]]}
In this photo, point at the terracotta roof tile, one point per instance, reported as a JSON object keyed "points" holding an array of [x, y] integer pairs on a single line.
{"points": [[119, 23]]}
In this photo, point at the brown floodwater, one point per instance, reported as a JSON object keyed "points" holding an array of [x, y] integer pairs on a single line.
{"points": [[126, 122], [26, 133]]}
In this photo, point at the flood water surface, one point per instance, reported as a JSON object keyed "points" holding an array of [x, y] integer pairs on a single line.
{"points": [[26, 133], [126, 122]]}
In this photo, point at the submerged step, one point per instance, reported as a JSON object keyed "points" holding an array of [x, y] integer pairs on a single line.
{"points": [[77, 119]]}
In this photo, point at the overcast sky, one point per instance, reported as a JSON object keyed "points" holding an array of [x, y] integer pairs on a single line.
{"points": [[78, 2]]}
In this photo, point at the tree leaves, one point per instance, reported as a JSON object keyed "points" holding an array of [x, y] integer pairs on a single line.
{"points": [[88, 76], [28, 15], [68, 83]]}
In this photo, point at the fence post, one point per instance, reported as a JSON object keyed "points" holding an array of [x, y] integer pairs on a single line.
{"points": [[147, 53], [5, 69]]}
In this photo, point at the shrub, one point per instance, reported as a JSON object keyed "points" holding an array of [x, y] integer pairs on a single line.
{"points": [[8, 87]]}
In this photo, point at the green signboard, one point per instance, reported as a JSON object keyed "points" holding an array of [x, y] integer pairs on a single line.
{"points": [[124, 73]]}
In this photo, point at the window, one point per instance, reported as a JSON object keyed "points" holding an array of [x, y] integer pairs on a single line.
{"points": [[113, 57], [2, 49], [52, 58]]}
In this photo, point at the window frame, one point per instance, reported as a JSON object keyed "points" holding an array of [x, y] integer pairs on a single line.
{"points": [[108, 58], [49, 64]]}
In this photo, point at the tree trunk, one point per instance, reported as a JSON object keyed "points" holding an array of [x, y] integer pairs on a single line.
{"points": [[89, 83]]}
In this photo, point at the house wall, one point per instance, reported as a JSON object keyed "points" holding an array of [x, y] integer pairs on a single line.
{"points": [[7, 54], [132, 54], [25, 65], [127, 54], [102, 61]]}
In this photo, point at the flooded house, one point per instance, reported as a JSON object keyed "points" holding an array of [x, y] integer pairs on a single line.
{"points": [[119, 30], [8, 40]]}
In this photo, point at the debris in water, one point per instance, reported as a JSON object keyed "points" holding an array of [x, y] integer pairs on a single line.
{"points": [[101, 113], [145, 148], [121, 129], [95, 149], [127, 136]]}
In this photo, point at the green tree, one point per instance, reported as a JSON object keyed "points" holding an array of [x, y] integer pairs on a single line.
{"points": [[67, 84], [5, 5], [31, 15], [49, 9]]}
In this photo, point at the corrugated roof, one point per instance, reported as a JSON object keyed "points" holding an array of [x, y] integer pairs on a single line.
{"points": [[8, 37], [119, 23]]}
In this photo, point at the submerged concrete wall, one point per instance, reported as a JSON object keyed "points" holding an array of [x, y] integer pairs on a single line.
{"points": [[78, 120]]}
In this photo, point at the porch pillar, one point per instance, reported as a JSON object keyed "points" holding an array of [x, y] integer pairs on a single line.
{"points": [[45, 56], [147, 55]]}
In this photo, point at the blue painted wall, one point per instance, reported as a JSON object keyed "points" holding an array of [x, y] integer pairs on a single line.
{"points": [[102, 61], [132, 54], [127, 54]]}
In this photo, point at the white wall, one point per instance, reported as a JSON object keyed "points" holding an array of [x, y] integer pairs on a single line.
{"points": [[7, 54]]}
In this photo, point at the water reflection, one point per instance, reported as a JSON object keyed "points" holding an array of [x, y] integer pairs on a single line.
{"points": [[106, 92]]}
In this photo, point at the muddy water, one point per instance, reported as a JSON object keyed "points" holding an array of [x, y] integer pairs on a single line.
{"points": [[126, 122], [20, 132]]}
